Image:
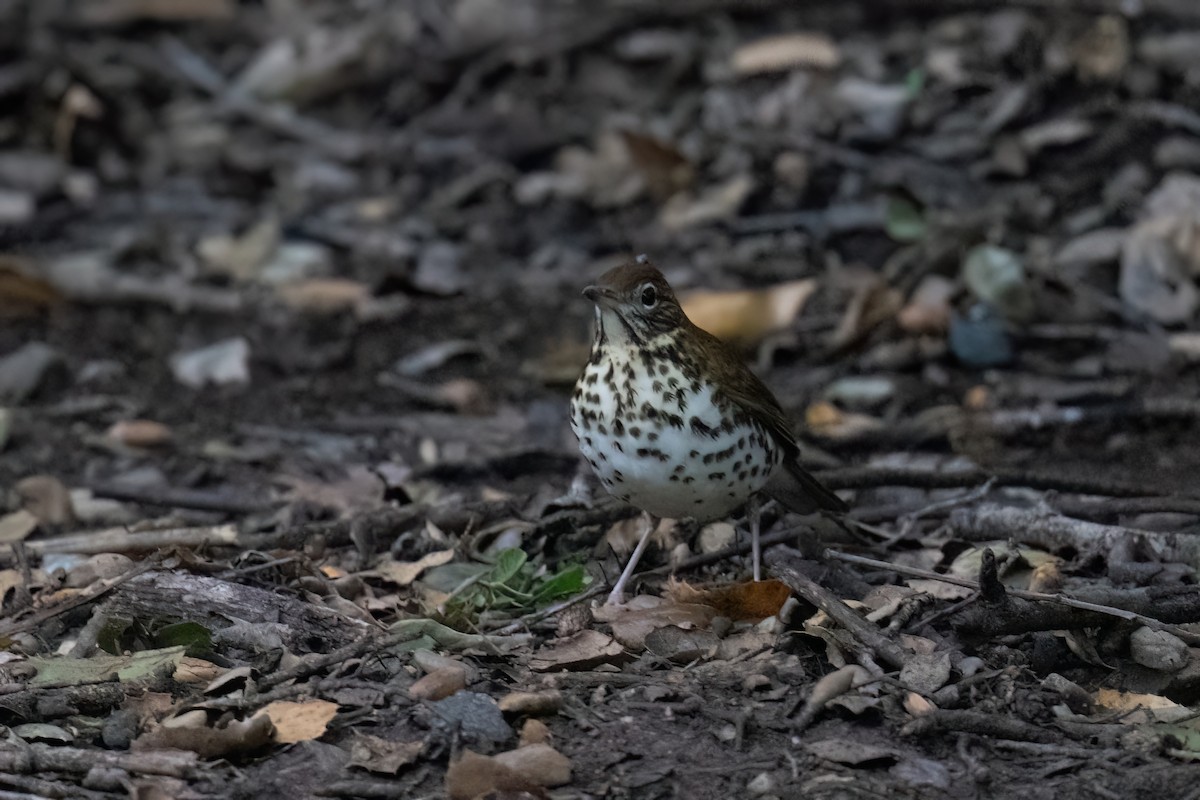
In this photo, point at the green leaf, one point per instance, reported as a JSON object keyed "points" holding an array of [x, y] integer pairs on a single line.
{"points": [[914, 82], [192, 635], [508, 565], [905, 222], [132, 668], [564, 583]]}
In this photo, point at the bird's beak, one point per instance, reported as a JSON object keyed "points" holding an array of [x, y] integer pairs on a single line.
{"points": [[601, 295]]}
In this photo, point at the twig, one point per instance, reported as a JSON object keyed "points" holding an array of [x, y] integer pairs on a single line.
{"points": [[866, 633], [123, 540], [1042, 597], [1056, 532], [867, 477], [197, 499]]}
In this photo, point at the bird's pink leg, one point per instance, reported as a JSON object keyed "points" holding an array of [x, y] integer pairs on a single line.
{"points": [[753, 510], [617, 596]]}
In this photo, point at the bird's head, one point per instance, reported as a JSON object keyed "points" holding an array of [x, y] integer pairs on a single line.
{"points": [[634, 303]]}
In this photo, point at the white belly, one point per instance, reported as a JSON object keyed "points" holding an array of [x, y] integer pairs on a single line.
{"points": [[670, 454]]}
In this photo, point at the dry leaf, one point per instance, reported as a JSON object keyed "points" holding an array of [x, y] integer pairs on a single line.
{"points": [[664, 169], [1138, 709], [299, 722], [584, 650], [325, 295], [786, 52], [15, 527], [139, 433], [46, 498], [750, 600], [540, 764], [918, 706], [402, 573], [873, 302], [631, 627], [382, 756], [745, 318], [439, 684], [21, 292], [928, 311], [473, 776], [827, 420], [714, 204], [241, 257], [534, 731], [545, 702]]}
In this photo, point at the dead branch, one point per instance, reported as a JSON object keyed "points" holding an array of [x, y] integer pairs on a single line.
{"points": [[1055, 532], [868, 635]]}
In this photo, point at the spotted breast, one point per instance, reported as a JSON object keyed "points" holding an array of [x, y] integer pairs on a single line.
{"points": [[660, 438]]}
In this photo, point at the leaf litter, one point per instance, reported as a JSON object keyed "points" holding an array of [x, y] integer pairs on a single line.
{"points": [[290, 302]]}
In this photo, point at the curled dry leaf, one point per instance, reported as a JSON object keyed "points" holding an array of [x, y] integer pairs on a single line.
{"points": [[139, 433], [526, 769], [745, 318], [299, 722], [545, 702], [439, 684], [918, 706], [786, 51], [193, 733], [534, 731]]}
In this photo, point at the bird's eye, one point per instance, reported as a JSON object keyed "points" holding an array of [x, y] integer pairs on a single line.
{"points": [[649, 297]]}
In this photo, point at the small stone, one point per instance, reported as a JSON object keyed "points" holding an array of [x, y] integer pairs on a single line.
{"points": [[762, 783]]}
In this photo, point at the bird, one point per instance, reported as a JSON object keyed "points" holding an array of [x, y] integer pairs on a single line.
{"points": [[673, 421]]}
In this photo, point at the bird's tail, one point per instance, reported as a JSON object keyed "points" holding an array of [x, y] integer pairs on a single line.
{"points": [[800, 492]]}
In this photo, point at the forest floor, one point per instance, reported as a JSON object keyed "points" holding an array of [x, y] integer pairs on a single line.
{"points": [[289, 318]]}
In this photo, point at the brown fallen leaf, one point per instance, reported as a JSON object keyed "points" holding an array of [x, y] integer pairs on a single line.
{"points": [[712, 204], [664, 169], [584, 650], [872, 303], [195, 735], [546, 702], [22, 292], [299, 722], [750, 600], [745, 318], [474, 775], [139, 433], [534, 731], [17, 526], [928, 310], [539, 763], [325, 295], [439, 684], [633, 626], [46, 498], [827, 420], [382, 756]]}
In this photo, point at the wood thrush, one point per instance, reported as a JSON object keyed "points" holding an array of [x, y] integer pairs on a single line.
{"points": [[673, 421]]}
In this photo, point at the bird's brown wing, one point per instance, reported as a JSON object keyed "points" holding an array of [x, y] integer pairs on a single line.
{"points": [[792, 485]]}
